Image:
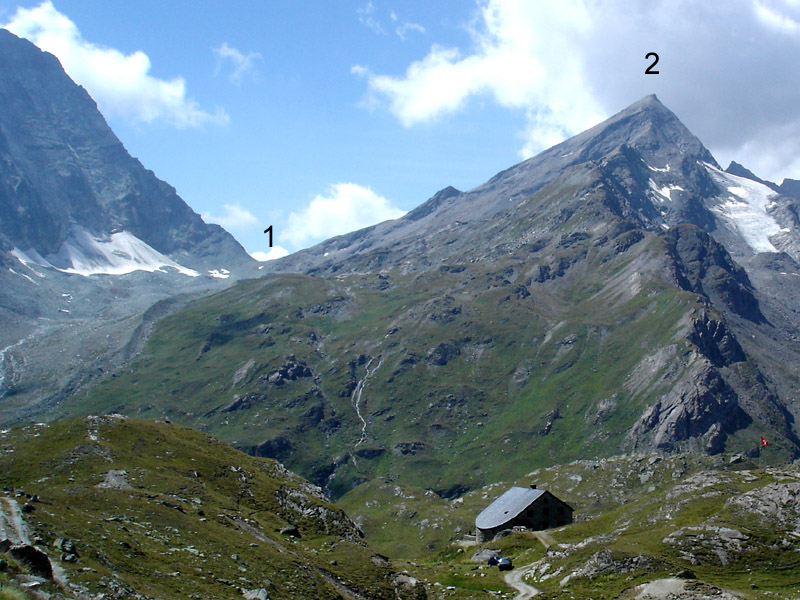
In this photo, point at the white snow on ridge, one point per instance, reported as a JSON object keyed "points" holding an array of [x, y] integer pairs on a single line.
{"points": [[84, 253], [664, 170], [665, 191], [745, 209]]}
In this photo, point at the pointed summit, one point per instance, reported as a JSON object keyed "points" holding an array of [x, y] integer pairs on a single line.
{"points": [[91, 183], [646, 132], [646, 126]]}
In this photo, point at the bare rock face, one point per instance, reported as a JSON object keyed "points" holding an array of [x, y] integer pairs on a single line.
{"points": [[91, 179], [770, 504], [699, 405], [703, 266], [715, 341]]}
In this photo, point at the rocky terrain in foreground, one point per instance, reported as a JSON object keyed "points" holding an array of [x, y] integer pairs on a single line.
{"points": [[648, 527], [109, 507], [113, 507]]}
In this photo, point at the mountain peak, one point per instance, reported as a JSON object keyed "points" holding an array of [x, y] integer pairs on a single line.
{"points": [[646, 129], [649, 101], [647, 126]]}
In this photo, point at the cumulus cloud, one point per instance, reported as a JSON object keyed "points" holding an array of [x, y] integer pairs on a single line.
{"points": [[121, 84], [564, 66], [241, 64], [345, 207], [274, 252], [234, 217], [522, 58]]}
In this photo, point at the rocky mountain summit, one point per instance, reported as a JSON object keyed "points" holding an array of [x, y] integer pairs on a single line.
{"points": [[617, 293], [88, 236]]}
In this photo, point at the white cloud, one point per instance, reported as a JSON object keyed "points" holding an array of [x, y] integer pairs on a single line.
{"points": [[403, 29], [274, 252], [345, 207], [781, 16], [367, 16], [242, 64], [120, 83], [563, 66], [523, 58], [235, 217]]}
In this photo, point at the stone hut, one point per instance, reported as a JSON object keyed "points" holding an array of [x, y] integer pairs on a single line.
{"points": [[522, 507]]}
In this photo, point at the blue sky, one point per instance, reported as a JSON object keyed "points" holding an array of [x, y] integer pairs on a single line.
{"points": [[322, 117]]}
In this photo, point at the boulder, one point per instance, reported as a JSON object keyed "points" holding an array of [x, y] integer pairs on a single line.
{"points": [[37, 561]]}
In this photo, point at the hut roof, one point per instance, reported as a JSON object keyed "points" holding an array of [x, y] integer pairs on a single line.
{"points": [[507, 507]]}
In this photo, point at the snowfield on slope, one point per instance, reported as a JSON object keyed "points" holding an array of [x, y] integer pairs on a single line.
{"points": [[745, 209], [84, 253]]}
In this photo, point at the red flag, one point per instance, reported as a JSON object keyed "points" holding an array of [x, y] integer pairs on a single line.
{"points": [[764, 441]]}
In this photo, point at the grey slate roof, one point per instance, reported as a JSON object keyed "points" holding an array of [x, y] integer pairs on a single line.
{"points": [[506, 507]]}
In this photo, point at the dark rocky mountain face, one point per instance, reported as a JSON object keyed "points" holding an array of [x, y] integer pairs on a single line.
{"points": [[88, 236], [61, 165], [617, 293]]}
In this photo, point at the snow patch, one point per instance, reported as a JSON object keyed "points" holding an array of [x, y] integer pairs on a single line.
{"points": [[219, 273], [85, 253], [664, 170], [31, 258], [745, 209], [665, 191], [23, 276]]}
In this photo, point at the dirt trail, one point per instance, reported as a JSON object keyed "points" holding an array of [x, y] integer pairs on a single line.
{"points": [[12, 526], [515, 578]]}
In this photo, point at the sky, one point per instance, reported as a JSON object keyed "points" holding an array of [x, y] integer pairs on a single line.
{"points": [[319, 118]]}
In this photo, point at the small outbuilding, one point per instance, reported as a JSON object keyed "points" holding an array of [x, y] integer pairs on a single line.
{"points": [[531, 508]]}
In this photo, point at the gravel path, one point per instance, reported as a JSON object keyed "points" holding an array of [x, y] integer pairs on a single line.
{"points": [[514, 579], [11, 524]]}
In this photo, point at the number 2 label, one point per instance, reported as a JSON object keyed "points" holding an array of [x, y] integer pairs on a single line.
{"points": [[649, 70]]}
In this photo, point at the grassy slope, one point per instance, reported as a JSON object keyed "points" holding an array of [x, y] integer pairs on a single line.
{"points": [[559, 306], [566, 348], [200, 519]]}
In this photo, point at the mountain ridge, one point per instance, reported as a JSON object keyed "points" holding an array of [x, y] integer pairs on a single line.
{"points": [[508, 188], [89, 238], [622, 301]]}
